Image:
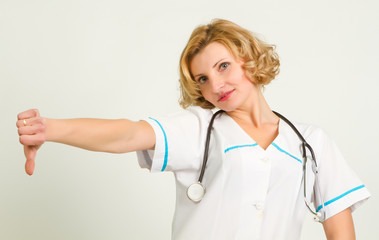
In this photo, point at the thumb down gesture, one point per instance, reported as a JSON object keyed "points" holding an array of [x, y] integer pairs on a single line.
{"points": [[32, 132]]}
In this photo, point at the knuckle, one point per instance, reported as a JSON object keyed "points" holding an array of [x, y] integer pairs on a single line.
{"points": [[40, 140], [43, 128], [39, 120], [36, 112], [22, 140], [39, 128]]}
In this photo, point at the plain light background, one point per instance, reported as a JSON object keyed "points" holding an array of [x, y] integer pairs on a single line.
{"points": [[119, 59]]}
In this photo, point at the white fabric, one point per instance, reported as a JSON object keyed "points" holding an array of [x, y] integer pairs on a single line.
{"points": [[251, 193]]}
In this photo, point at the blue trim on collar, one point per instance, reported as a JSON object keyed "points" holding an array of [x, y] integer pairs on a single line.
{"points": [[165, 147], [286, 152], [240, 146], [340, 196]]}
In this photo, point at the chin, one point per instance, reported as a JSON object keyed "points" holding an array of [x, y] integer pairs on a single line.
{"points": [[226, 107]]}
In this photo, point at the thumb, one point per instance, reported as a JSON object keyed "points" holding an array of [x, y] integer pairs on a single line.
{"points": [[30, 154]]}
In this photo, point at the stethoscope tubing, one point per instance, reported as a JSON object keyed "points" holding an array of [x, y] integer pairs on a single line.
{"points": [[318, 216], [205, 156]]}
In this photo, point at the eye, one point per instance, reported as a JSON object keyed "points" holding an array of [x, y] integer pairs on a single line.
{"points": [[202, 79], [224, 65]]}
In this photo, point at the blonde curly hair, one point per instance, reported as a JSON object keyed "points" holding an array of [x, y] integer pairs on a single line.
{"points": [[261, 62]]}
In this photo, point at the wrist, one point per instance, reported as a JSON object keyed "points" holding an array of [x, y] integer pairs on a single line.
{"points": [[50, 132]]}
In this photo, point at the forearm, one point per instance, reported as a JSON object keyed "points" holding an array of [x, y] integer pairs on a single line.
{"points": [[91, 134], [115, 136]]}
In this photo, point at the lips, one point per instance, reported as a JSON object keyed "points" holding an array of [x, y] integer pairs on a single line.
{"points": [[225, 96]]}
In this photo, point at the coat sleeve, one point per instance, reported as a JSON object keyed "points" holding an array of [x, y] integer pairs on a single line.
{"points": [[339, 185], [179, 141]]}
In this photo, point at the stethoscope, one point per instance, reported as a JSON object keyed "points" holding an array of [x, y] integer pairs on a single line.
{"points": [[196, 191]]}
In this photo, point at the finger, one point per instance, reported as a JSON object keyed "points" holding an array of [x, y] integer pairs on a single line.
{"points": [[31, 130], [28, 114], [29, 121], [32, 140], [30, 154]]}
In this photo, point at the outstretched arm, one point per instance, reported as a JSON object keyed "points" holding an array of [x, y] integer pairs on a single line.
{"points": [[114, 136], [340, 226]]}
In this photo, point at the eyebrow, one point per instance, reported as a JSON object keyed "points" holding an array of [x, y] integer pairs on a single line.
{"points": [[212, 67]]}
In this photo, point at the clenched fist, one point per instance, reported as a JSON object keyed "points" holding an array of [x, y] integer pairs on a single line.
{"points": [[32, 131]]}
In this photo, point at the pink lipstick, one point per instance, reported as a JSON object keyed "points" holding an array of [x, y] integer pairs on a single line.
{"points": [[225, 96]]}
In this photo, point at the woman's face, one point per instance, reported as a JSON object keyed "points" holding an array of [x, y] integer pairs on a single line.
{"points": [[221, 77]]}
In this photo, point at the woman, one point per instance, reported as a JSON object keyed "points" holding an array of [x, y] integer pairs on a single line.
{"points": [[254, 176]]}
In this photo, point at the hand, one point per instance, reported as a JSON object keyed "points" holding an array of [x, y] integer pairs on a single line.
{"points": [[32, 131]]}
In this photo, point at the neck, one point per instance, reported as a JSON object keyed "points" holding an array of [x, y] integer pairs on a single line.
{"points": [[255, 110]]}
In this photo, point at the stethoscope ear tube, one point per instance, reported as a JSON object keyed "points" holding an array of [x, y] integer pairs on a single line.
{"points": [[318, 216]]}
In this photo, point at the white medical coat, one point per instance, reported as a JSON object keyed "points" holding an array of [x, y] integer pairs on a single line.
{"points": [[251, 193]]}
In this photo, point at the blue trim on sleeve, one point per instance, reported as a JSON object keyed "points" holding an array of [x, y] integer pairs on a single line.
{"points": [[285, 152], [240, 146], [340, 196], [165, 147]]}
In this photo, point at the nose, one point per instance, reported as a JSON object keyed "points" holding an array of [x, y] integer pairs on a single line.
{"points": [[217, 83]]}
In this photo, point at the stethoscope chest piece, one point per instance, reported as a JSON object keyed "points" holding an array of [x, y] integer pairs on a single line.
{"points": [[196, 192]]}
